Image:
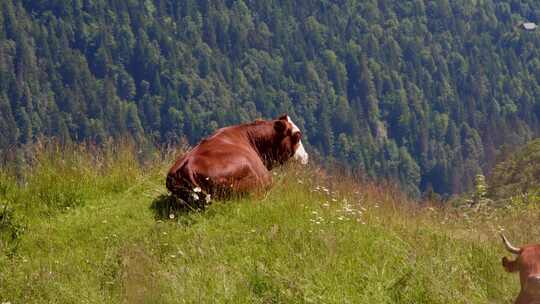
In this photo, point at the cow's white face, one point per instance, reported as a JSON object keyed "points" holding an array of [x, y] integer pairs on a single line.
{"points": [[300, 154]]}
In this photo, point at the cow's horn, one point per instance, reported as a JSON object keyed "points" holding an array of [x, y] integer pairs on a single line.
{"points": [[509, 246]]}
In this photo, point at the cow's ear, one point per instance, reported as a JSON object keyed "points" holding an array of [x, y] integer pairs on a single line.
{"points": [[280, 126], [510, 266], [284, 117], [296, 137]]}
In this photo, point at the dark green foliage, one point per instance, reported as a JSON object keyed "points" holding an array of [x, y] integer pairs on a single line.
{"points": [[11, 226], [421, 92], [518, 174], [10, 230]]}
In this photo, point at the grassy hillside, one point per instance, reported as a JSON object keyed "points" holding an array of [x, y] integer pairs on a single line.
{"points": [[87, 225]]}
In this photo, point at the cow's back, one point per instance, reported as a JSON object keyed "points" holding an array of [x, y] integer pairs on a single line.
{"points": [[224, 161]]}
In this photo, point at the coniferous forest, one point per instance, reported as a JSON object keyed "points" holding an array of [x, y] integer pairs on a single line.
{"points": [[427, 93]]}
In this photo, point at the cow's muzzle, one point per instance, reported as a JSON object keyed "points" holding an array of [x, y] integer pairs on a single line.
{"points": [[533, 285], [301, 155]]}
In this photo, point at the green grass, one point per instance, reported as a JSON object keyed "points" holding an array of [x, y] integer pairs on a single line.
{"points": [[80, 225]]}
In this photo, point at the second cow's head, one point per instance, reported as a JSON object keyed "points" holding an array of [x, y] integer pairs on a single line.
{"points": [[527, 263]]}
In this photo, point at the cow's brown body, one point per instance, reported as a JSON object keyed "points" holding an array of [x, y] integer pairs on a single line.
{"points": [[527, 264], [234, 159]]}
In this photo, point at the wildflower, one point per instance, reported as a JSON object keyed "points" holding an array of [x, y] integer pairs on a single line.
{"points": [[197, 189], [171, 216], [195, 196], [208, 198], [347, 208]]}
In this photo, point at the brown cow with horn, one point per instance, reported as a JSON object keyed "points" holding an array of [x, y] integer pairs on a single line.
{"points": [[527, 264], [235, 159]]}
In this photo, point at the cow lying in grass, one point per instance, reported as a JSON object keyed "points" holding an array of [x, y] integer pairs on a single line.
{"points": [[527, 264], [235, 159]]}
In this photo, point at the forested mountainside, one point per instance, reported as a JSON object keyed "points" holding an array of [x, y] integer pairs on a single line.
{"points": [[423, 92]]}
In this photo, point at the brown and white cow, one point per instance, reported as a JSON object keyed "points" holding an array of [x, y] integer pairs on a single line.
{"points": [[235, 159], [527, 264]]}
